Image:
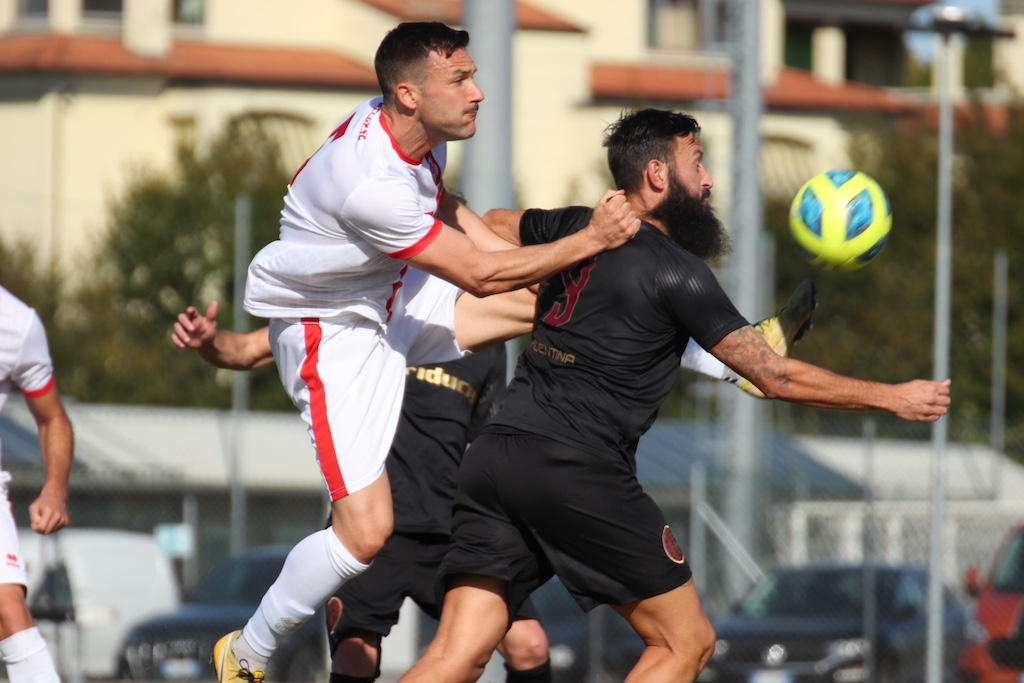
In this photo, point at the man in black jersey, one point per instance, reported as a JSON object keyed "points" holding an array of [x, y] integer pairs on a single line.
{"points": [[550, 487]]}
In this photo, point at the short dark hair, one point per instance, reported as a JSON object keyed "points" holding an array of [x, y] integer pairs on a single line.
{"points": [[639, 136], [409, 44]]}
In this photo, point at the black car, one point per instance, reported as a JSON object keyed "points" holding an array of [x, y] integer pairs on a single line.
{"points": [[178, 645], [807, 624]]}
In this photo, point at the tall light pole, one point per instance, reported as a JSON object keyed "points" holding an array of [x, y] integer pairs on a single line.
{"points": [[948, 22]]}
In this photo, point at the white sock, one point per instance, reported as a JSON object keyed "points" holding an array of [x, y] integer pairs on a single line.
{"points": [[313, 571], [27, 659]]}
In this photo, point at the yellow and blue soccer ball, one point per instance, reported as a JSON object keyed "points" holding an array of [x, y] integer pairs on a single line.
{"points": [[840, 219]]}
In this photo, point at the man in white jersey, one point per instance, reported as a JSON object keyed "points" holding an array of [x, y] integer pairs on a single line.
{"points": [[366, 205], [25, 364]]}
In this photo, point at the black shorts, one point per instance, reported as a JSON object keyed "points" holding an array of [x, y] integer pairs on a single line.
{"points": [[528, 506], [407, 566]]}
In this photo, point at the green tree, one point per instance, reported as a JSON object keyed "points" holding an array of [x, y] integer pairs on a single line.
{"points": [[170, 243]]}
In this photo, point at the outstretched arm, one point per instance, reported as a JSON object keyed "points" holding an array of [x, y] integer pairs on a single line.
{"points": [[221, 348], [747, 352], [49, 513]]}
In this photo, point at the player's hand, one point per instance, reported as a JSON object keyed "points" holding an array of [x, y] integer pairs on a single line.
{"points": [[48, 513], [922, 400], [193, 331], [614, 221]]}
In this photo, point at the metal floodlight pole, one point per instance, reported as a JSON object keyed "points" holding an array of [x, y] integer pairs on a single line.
{"points": [[486, 176], [947, 21], [940, 428]]}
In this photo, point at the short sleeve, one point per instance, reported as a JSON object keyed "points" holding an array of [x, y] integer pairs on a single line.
{"points": [[33, 369], [538, 226], [387, 214], [697, 301]]}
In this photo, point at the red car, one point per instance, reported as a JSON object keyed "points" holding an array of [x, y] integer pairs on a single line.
{"points": [[994, 651]]}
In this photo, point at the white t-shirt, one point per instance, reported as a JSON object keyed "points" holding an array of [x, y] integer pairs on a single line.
{"points": [[24, 354], [353, 210]]}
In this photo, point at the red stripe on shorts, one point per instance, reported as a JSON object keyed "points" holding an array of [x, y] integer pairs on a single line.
{"points": [[326, 455]]}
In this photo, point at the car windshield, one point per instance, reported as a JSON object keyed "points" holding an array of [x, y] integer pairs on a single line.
{"points": [[240, 580], [803, 593], [1009, 574]]}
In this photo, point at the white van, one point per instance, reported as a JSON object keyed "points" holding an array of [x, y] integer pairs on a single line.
{"points": [[87, 587]]}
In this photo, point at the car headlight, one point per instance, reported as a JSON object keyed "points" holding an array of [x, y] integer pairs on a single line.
{"points": [[849, 648], [721, 649], [975, 632]]}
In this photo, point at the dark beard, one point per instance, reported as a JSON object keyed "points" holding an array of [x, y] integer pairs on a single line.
{"points": [[691, 223]]}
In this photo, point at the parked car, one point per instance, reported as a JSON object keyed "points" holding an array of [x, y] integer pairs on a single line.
{"points": [[179, 644], [88, 587], [988, 654], [807, 624]]}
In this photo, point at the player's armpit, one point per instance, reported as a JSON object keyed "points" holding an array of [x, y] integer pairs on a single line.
{"points": [[505, 223]]}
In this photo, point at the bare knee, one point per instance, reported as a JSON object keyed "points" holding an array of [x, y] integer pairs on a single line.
{"points": [[364, 540], [705, 645], [525, 646]]}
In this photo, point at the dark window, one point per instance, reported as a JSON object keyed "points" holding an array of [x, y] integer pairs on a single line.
{"points": [[106, 6], [33, 7], [1009, 575], [798, 46], [188, 11]]}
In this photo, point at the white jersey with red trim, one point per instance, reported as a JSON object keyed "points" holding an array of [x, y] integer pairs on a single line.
{"points": [[24, 354], [353, 210]]}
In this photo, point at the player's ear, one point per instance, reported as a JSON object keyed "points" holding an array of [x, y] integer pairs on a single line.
{"points": [[656, 174], [407, 95]]}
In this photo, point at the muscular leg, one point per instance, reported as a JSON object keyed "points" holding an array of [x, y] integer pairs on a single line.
{"points": [[525, 649], [474, 618], [316, 567], [680, 640], [14, 614], [357, 655]]}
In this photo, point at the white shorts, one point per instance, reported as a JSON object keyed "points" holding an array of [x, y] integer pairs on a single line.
{"points": [[422, 325], [347, 377], [12, 569]]}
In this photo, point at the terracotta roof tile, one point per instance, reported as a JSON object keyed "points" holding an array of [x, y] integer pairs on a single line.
{"points": [[794, 89], [187, 60], [528, 16]]}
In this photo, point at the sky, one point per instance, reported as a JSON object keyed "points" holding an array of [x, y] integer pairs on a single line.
{"points": [[921, 43]]}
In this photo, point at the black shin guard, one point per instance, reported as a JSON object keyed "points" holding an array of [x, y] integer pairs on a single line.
{"points": [[538, 674], [342, 678]]}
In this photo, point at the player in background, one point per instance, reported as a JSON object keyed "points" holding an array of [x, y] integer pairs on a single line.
{"points": [[25, 363], [549, 487], [367, 205]]}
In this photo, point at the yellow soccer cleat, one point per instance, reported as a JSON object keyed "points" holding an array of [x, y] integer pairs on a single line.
{"points": [[782, 330], [228, 669]]}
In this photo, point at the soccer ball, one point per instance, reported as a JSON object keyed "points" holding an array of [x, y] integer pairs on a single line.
{"points": [[840, 219]]}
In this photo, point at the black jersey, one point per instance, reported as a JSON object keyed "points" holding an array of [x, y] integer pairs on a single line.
{"points": [[609, 335], [445, 405]]}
